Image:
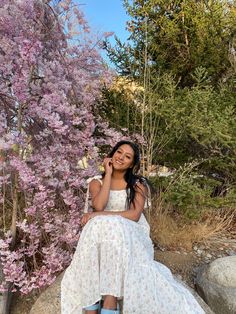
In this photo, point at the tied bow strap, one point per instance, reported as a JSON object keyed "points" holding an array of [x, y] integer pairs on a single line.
{"points": [[86, 204]]}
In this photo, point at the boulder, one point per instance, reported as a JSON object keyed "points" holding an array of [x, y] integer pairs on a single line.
{"points": [[201, 302], [216, 283], [49, 300]]}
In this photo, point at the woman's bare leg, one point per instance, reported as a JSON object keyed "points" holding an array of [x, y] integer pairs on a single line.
{"points": [[110, 302], [92, 312]]}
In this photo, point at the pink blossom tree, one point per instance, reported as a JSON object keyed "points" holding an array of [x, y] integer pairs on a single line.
{"points": [[51, 75]]}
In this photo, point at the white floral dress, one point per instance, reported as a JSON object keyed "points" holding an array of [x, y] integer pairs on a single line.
{"points": [[115, 256]]}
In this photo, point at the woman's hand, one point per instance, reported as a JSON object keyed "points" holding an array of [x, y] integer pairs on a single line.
{"points": [[86, 217], [107, 163]]}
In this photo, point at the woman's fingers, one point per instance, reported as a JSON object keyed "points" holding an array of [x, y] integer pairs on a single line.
{"points": [[107, 164], [83, 220], [106, 161], [86, 217]]}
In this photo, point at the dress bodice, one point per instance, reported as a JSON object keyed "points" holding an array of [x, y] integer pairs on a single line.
{"points": [[117, 200]]}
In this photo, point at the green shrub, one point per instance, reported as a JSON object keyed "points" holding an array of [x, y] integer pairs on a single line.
{"points": [[191, 194]]}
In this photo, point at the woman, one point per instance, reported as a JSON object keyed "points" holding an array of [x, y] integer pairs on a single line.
{"points": [[114, 258]]}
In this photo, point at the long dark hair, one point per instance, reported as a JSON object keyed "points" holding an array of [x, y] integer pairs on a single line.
{"points": [[131, 175]]}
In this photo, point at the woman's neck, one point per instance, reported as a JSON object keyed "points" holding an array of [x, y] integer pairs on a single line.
{"points": [[117, 175], [118, 181]]}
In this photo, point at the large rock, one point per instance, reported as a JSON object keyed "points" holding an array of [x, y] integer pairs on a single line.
{"points": [[216, 283], [201, 302], [49, 301]]}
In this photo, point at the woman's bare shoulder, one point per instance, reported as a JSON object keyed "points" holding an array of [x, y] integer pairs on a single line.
{"points": [[95, 184]]}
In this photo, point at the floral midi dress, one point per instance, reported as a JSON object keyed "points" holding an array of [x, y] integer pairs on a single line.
{"points": [[115, 256]]}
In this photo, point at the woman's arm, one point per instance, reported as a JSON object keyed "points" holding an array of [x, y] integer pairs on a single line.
{"points": [[133, 213], [100, 193]]}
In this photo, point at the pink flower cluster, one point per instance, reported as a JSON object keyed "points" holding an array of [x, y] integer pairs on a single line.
{"points": [[49, 82]]}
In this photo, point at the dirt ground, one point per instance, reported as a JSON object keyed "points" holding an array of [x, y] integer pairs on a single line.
{"points": [[183, 264]]}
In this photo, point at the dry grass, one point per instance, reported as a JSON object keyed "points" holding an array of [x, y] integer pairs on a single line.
{"points": [[171, 231]]}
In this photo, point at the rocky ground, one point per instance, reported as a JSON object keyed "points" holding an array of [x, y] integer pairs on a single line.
{"points": [[184, 264]]}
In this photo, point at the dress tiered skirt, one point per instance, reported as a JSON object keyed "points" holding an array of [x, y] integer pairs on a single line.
{"points": [[115, 256]]}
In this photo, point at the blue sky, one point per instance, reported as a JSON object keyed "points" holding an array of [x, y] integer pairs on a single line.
{"points": [[106, 16]]}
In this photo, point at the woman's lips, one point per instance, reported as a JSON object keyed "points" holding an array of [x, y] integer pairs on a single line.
{"points": [[119, 162]]}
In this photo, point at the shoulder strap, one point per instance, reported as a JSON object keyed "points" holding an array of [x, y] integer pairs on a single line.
{"points": [[98, 177], [86, 204]]}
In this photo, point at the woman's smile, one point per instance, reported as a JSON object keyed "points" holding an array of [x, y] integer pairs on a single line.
{"points": [[119, 162]]}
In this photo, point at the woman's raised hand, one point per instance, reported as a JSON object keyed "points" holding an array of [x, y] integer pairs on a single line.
{"points": [[107, 163]]}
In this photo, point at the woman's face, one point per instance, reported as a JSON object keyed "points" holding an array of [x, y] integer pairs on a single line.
{"points": [[123, 157]]}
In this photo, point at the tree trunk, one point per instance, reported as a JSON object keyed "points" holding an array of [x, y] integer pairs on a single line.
{"points": [[7, 296]]}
